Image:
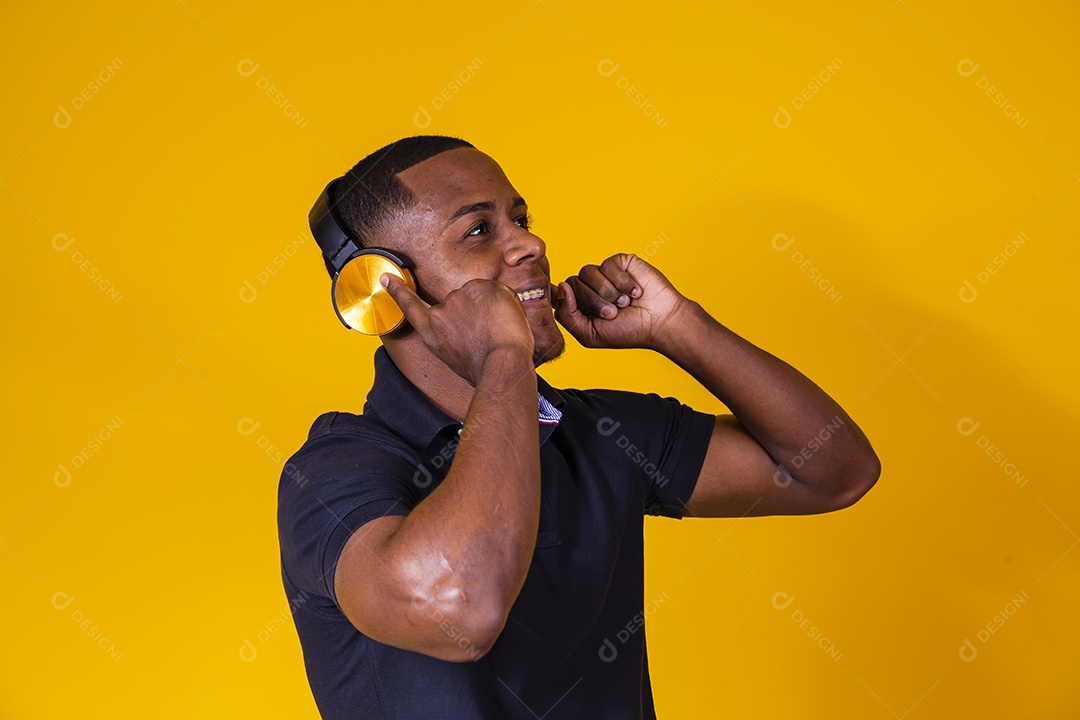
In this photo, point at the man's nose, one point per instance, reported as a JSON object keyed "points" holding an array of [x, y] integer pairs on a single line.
{"points": [[523, 245]]}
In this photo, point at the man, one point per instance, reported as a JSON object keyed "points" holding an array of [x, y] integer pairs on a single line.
{"points": [[471, 545]]}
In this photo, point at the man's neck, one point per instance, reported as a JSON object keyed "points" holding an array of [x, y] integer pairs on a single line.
{"points": [[443, 387]]}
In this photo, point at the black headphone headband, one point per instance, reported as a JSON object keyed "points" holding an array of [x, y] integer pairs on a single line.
{"points": [[336, 244], [359, 301]]}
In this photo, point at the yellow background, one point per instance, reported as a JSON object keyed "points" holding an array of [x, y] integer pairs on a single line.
{"points": [[186, 186]]}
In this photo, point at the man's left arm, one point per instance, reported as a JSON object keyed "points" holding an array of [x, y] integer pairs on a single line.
{"points": [[786, 449]]}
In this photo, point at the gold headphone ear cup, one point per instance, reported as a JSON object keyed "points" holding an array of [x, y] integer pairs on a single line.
{"points": [[361, 302]]}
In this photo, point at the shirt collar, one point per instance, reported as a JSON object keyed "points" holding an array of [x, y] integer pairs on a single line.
{"points": [[550, 403], [402, 408]]}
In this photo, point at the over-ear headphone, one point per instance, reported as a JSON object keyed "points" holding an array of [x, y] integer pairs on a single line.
{"points": [[360, 300]]}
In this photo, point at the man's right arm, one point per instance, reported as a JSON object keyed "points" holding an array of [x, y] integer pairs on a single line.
{"points": [[441, 580]]}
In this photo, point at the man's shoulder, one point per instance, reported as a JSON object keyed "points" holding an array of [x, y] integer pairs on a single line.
{"points": [[340, 441], [338, 423], [602, 398], [635, 412]]}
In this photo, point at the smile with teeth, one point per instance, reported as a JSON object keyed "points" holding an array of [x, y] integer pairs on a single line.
{"points": [[530, 294]]}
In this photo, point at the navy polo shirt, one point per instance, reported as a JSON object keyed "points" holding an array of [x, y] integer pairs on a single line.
{"points": [[574, 643]]}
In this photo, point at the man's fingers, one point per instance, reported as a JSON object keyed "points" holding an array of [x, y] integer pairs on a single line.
{"points": [[614, 269], [602, 286], [412, 305], [589, 301], [568, 314], [612, 282]]}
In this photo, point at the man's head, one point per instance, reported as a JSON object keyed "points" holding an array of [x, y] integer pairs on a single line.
{"points": [[450, 210], [370, 194]]}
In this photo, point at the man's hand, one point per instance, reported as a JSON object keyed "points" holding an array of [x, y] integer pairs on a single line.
{"points": [[624, 302], [468, 325]]}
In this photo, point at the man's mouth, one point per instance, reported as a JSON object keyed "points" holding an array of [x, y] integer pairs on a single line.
{"points": [[533, 294]]}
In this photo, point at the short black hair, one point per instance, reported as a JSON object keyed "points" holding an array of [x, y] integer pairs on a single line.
{"points": [[370, 192]]}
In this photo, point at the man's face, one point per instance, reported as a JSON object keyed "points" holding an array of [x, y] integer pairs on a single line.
{"points": [[469, 222]]}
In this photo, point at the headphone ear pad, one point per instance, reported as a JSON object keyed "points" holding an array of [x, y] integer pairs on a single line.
{"points": [[360, 300]]}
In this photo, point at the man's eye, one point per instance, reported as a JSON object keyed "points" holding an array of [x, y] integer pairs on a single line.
{"points": [[524, 222]]}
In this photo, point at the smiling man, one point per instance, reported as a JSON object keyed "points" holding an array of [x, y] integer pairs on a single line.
{"points": [[471, 544]]}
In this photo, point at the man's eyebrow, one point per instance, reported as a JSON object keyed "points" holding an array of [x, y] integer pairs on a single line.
{"points": [[478, 206]]}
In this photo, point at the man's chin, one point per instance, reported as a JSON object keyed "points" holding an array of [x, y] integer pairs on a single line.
{"points": [[549, 347]]}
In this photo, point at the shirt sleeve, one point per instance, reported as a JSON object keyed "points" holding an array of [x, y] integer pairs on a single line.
{"points": [[663, 440], [329, 488]]}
